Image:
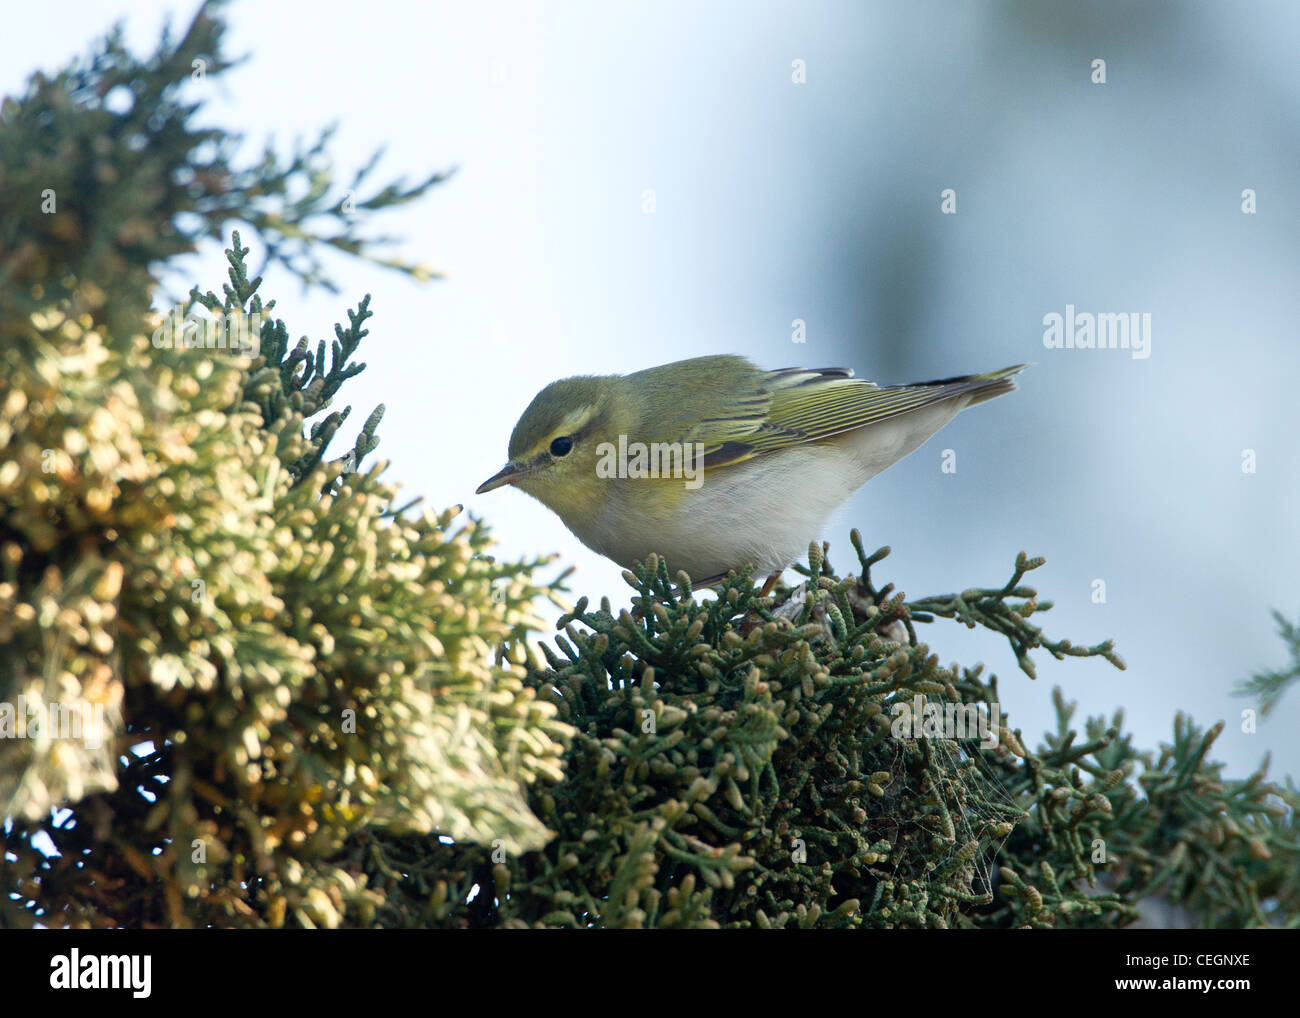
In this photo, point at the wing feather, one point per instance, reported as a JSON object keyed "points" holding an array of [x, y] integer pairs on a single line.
{"points": [[795, 405]]}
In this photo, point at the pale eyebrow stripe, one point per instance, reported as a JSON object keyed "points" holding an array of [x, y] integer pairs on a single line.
{"points": [[572, 422]]}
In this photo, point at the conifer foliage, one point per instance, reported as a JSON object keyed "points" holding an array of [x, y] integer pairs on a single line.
{"points": [[740, 761], [309, 706], [266, 657]]}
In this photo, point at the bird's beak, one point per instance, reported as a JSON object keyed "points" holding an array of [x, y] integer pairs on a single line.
{"points": [[508, 474]]}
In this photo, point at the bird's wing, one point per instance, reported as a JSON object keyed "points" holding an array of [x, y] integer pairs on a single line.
{"points": [[793, 405]]}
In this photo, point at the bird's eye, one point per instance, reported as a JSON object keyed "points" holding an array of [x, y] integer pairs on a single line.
{"points": [[561, 446]]}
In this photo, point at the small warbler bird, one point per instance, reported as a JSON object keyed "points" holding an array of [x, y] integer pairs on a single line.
{"points": [[716, 464]]}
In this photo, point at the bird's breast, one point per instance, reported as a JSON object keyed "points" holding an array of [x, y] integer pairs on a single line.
{"points": [[762, 511]]}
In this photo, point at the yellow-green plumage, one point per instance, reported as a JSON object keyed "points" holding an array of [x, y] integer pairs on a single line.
{"points": [[780, 450]]}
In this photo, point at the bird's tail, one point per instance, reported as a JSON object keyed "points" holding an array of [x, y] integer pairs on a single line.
{"points": [[994, 383], [981, 388]]}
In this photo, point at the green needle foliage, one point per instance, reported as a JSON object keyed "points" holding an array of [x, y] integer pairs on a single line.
{"points": [[263, 656], [1270, 685], [737, 763]]}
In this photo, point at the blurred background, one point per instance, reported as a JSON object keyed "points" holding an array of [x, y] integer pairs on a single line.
{"points": [[639, 183]]}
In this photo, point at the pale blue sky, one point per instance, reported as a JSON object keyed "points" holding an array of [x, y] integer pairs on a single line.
{"points": [[820, 201]]}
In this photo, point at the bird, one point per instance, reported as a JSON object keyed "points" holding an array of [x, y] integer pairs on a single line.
{"points": [[716, 464]]}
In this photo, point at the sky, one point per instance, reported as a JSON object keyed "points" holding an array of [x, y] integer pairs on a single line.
{"points": [[641, 183]]}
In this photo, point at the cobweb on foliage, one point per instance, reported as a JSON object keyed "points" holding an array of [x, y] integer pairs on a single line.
{"points": [[964, 801]]}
